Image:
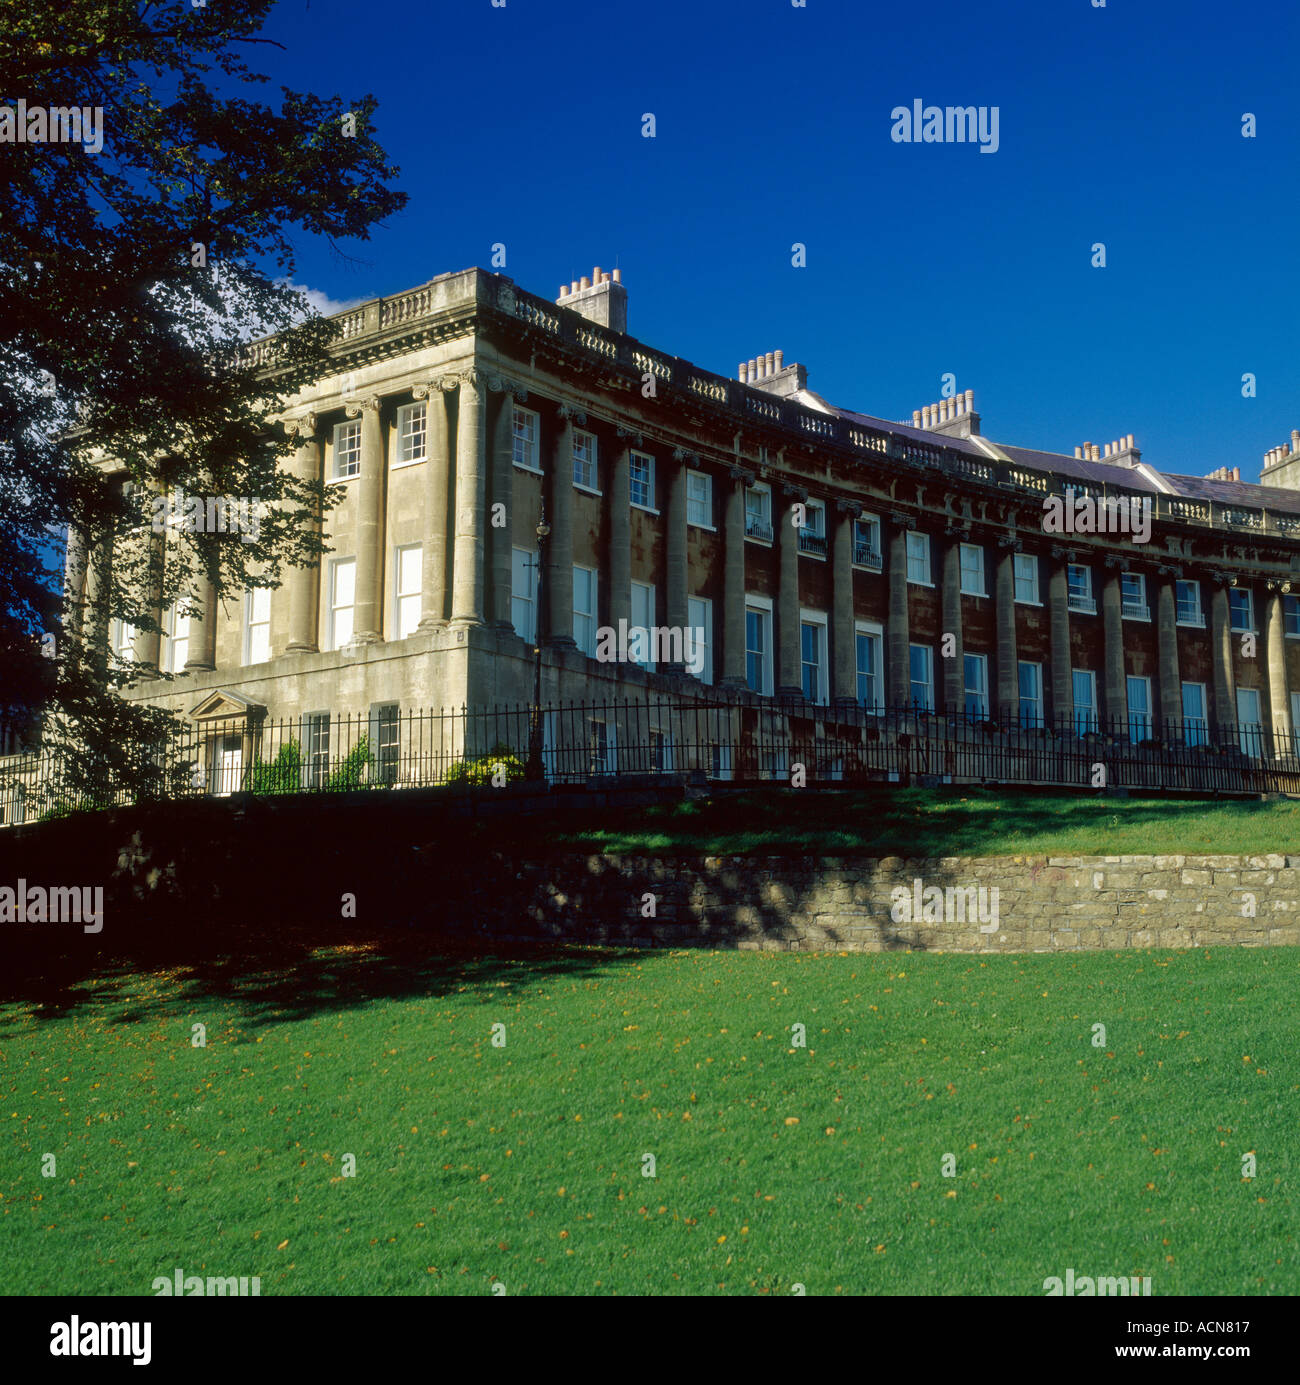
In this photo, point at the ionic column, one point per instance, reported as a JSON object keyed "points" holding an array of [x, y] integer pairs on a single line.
{"points": [[1008, 695], [147, 649], [1279, 701], [620, 533], [502, 494], [559, 547], [789, 682], [467, 563], [304, 582], [954, 666], [899, 634], [1171, 683], [1058, 606], [99, 581], [1225, 684], [437, 503], [733, 580], [203, 623], [368, 613], [844, 664], [1112, 615], [675, 610], [74, 585]]}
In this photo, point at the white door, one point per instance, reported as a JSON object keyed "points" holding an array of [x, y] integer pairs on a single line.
{"points": [[1248, 727], [230, 765]]}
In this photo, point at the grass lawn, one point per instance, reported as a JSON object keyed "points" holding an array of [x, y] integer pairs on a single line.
{"points": [[775, 1165], [933, 822]]}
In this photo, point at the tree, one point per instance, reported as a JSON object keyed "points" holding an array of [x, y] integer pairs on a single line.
{"points": [[131, 281]]}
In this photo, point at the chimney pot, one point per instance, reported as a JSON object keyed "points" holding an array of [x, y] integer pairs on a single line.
{"points": [[970, 401], [618, 276], [916, 418], [595, 275], [584, 282], [573, 287], [741, 372], [780, 359], [769, 367], [753, 368], [1078, 452]]}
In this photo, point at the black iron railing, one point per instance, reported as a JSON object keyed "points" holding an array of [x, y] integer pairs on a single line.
{"points": [[746, 740]]}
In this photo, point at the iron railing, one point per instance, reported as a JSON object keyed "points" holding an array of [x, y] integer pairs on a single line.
{"points": [[746, 740]]}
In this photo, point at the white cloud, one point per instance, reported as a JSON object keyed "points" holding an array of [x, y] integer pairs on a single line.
{"points": [[322, 303]]}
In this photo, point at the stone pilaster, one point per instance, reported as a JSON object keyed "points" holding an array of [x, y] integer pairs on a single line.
{"points": [[501, 497], [953, 677], [1115, 677], [468, 563], [438, 502], [898, 635], [203, 622], [789, 681], [74, 585], [1058, 607], [1008, 682], [675, 609], [99, 583], [1279, 700], [147, 649], [1225, 683], [844, 664], [559, 547], [304, 582], [620, 532], [367, 622], [1171, 683], [733, 580]]}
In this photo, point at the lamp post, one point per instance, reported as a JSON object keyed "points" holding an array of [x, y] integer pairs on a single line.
{"points": [[534, 769]]}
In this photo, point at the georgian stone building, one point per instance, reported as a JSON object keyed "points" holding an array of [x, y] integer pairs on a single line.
{"points": [[922, 573]]}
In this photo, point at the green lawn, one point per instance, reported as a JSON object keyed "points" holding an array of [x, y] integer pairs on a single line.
{"points": [[933, 822], [776, 1165]]}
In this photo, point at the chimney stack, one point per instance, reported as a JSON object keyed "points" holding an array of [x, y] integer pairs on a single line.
{"points": [[954, 416], [598, 298]]}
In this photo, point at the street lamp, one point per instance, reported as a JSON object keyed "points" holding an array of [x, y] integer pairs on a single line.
{"points": [[534, 769]]}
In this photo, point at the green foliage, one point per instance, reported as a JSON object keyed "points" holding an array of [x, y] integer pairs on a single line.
{"points": [[481, 769], [354, 772], [281, 775]]}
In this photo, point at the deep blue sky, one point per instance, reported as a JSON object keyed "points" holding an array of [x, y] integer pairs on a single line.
{"points": [[1120, 125]]}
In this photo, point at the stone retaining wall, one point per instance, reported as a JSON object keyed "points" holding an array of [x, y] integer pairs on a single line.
{"points": [[1043, 903]]}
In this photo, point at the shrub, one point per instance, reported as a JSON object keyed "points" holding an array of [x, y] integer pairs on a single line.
{"points": [[355, 769], [281, 775], [482, 768]]}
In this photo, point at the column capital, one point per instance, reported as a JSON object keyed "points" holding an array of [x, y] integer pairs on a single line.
{"points": [[503, 384], [954, 530], [741, 473], [437, 384], [1169, 569], [571, 414], [853, 508], [1111, 562], [902, 521], [681, 454], [625, 434], [1280, 585], [1012, 543], [1058, 552], [790, 491], [306, 426], [1223, 579], [355, 407]]}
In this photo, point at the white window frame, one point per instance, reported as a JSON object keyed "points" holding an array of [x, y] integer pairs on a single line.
{"points": [[977, 570], [171, 638], [642, 594], [1141, 725], [1250, 730], [696, 502], [699, 616], [1084, 602], [817, 622], [635, 456], [1084, 724], [1233, 627], [523, 590], [859, 544], [1021, 579], [586, 640], [1035, 699], [1196, 725], [760, 606], [913, 702], [872, 631], [764, 492], [1130, 609], [405, 602], [409, 451], [813, 530], [1290, 607], [917, 545], [588, 465], [980, 692], [338, 565], [1195, 620], [255, 598], [352, 427], [526, 440]]}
